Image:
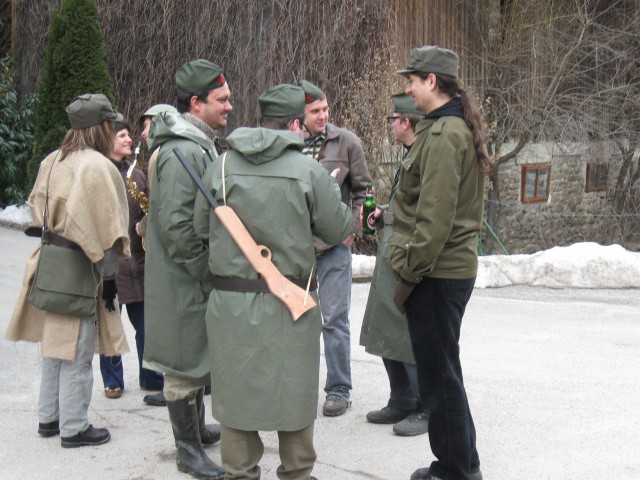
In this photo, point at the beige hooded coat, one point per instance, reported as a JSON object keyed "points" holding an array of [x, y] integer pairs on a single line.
{"points": [[87, 205]]}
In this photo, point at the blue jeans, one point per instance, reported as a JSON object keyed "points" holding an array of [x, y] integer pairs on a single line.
{"points": [[434, 316], [111, 367], [334, 294], [403, 380]]}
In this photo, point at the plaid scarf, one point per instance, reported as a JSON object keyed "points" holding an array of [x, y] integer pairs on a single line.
{"points": [[314, 145]]}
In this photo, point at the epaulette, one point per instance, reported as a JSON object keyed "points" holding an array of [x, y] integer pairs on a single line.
{"points": [[436, 129]]}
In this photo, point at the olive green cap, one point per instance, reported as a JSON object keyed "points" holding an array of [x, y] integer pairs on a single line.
{"points": [[284, 100], [311, 92], [199, 76], [431, 59], [404, 104], [156, 109], [91, 109]]}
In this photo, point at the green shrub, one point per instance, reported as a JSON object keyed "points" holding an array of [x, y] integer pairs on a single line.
{"points": [[75, 63], [16, 137]]}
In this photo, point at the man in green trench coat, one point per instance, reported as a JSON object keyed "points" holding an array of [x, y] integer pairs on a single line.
{"points": [[177, 278], [265, 365], [384, 328]]}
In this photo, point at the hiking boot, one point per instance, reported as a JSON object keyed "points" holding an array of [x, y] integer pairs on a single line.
{"points": [[49, 429], [334, 406], [387, 415], [416, 423], [91, 436], [156, 400]]}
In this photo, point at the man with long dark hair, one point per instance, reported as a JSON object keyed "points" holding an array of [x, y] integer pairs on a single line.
{"points": [[437, 217]]}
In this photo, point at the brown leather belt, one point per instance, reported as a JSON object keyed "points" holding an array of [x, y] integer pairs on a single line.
{"points": [[50, 237], [229, 284]]}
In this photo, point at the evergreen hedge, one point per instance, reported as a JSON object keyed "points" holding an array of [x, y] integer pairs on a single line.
{"points": [[75, 63]]}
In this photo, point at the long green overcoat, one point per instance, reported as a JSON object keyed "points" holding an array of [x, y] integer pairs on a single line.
{"points": [[265, 366], [384, 328], [177, 279]]}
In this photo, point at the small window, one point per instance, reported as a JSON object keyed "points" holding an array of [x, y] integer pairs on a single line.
{"points": [[536, 178], [597, 175]]}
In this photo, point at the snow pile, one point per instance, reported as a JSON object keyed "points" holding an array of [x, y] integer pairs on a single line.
{"points": [[16, 215], [581, 265]]}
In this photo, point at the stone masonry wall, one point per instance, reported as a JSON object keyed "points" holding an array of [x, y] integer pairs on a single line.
{"points": [[571, 214]]}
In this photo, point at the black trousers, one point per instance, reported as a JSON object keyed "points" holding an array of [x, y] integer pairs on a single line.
{"points": [[403, 380], [434, 314]]}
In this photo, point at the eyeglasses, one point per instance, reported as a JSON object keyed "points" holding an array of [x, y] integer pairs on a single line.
{"points": [[391, 119]]}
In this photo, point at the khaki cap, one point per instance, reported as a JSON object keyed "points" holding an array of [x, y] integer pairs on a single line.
{"points": [[284, 100], [91, 109], [199, 76], [431, 59]]}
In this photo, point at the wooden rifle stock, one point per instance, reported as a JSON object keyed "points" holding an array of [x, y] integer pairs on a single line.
{"points": [[295, 298]]}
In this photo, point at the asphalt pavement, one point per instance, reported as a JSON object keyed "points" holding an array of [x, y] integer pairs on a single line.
{"points": [[552, 376]]}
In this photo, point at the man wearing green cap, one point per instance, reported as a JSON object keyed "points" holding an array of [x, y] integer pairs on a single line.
{"points": [[265, 365], [437, 217], [177, 278], [336, 148], [384, 329]]}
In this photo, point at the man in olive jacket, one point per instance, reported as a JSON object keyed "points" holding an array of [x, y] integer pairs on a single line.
{"points": [[177, 277], [265, 365]]}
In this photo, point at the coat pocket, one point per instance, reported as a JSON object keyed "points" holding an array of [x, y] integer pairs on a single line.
{"points": [[398, 247]]}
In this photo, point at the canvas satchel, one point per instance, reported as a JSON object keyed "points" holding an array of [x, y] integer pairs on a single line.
{"points": [[65, 282]]}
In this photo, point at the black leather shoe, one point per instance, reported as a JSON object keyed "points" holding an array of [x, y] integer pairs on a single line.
{"points": [[91, 436], [388, 415], [415, 424], [156, 400], [423, 474], [50, 429]]}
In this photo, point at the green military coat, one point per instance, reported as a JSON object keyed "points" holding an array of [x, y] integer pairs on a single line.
{"points": [[265, 366], [177, 279], [384, 328]]}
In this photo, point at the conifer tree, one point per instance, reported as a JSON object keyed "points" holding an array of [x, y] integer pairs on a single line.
{"points": [[75, 63]]}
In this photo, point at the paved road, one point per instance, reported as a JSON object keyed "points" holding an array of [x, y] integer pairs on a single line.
{"points": [[553, 378]]}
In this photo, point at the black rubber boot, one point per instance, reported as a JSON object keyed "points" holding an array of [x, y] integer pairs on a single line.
{"points": [[209, 434], [190, 457]]}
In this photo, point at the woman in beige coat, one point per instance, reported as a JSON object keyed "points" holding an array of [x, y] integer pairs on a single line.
{"points": [[87, 206]]}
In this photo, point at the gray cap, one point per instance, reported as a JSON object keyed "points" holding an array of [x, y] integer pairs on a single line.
{"points": [[284, 100], [431, 59], [91, 109], [156, 109]]}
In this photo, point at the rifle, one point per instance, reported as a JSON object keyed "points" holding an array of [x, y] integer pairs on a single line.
{"points": [[259, 256]]}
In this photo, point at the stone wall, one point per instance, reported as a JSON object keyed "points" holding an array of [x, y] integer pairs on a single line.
{"points": [[570, 214]]}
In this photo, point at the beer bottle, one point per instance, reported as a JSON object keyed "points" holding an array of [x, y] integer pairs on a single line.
{"points": [[368, 209]]}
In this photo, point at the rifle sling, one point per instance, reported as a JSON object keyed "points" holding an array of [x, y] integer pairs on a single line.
{"points": [[229, 284]]}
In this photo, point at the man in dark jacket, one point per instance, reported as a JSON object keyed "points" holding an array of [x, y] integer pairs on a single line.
{"points": [[265, 365], [336, 148], [177, 277]]}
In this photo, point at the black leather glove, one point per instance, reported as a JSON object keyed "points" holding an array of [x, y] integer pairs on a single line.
{"points": [[402, 292], [109, 291]]}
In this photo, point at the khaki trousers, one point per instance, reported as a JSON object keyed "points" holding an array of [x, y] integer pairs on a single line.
{"points": [[241, 451], [178, 388]]}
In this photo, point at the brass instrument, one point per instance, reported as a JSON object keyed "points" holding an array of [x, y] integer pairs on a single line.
{"points": [[138, 196]]}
